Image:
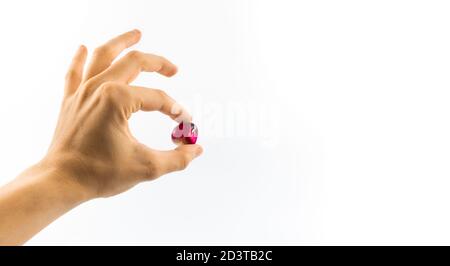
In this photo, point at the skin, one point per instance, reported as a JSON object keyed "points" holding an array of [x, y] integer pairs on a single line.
{"points": [[93, 154]]}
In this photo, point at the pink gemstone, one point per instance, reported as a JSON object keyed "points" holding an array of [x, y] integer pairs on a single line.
{"points": [[185, 133]]}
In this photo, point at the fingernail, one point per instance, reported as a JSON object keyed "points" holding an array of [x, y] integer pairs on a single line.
{"points": [[81, 48]]}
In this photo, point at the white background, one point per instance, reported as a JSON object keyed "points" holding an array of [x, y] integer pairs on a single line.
{"points": [[343, 105]]}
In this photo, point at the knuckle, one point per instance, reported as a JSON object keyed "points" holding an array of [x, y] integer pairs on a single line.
{"points": [[152, 168], [103, 51], [113, 93], [108, 90], [134, 55], [89, 86], [161, 93], [108, 86], [71, 75]]}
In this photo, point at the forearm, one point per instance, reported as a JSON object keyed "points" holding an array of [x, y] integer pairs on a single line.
{"points": [[37, 197]]}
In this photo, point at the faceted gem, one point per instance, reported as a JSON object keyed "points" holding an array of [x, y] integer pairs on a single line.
{"points": [[185, 133]]}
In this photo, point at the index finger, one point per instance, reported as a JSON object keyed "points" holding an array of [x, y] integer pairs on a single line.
{"points": [[158, 100], [133, 98]]}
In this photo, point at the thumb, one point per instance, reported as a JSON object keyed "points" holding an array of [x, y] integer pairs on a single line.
{"points": [[177, 159]]}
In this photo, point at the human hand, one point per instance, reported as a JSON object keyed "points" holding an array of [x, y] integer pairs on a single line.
{"points": [[93, 154], [93, 147]]}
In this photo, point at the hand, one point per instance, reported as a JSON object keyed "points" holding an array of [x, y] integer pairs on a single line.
{"points": [[93, 153], [92, 146]]}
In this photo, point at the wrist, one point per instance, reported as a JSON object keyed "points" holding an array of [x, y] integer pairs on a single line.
{"points": [[38, 196], [61, 181]]}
